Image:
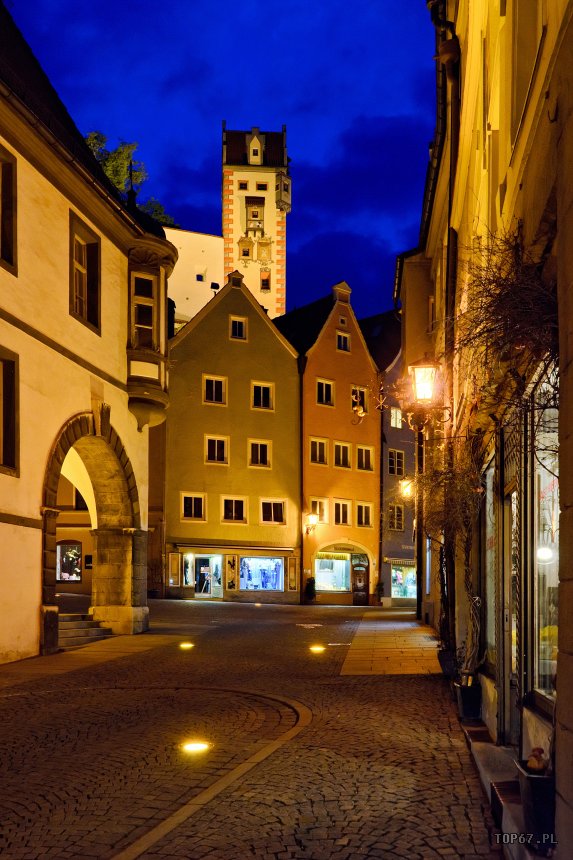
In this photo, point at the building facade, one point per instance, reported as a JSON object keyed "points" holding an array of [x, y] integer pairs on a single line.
{"points": [[488, 294], [340, 450], [256, 201], [198, 274], [232, 454], [81, 277]]}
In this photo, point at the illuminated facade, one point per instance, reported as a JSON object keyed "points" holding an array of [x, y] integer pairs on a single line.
{"points": [[83, 367], [501, 177]]}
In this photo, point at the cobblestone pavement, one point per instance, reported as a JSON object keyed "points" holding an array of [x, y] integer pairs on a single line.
{"points": [[92, 760]]}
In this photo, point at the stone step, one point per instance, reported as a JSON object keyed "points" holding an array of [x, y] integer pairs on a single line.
{"points": [[78, 625], [78, 629], [84, 632]]}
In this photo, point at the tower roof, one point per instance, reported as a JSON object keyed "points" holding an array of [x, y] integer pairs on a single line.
{"points": [[235, 147]]}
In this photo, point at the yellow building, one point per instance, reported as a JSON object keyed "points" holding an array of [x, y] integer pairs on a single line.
{"points": [[340, 449], [256, 201], [232, 489], [488, 294], [81, 277]]}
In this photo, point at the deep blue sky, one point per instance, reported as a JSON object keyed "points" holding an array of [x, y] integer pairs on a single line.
{"points": [[354, 84]]}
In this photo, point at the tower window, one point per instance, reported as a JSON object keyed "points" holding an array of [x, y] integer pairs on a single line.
{"points": [[262, 186], [243, 186]]}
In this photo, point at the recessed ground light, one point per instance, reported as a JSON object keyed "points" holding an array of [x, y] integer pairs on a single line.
{"points": [[317, 649], [185, 646], [195, 746]]}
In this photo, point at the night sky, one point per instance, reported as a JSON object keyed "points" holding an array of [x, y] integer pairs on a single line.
{"points": [[354, 84]]}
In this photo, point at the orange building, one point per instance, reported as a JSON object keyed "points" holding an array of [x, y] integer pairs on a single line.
{"points": [[341, 435]]}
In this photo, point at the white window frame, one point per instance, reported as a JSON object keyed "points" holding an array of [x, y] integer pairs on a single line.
{"points": [[269, 444], [244, 322], [396, 469], [323, 383], [396, 417], [343, 337], [244, 500], [393, 517], [213, 378], [185, 495], [256, 383], [227, 442], [341, 446], [319, 506], [144, 302], [370, 508], [272, 502], [370, 450], [318, 440], [347, 504]]}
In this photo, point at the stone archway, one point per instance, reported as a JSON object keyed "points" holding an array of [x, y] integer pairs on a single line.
{"points": [[120, 545]]}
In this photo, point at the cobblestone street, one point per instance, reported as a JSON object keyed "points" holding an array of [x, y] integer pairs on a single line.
{"points": [[305, 761]]}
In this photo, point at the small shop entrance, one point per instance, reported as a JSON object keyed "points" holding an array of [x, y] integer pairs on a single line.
{"points": [[360, 579], [206, 572]]}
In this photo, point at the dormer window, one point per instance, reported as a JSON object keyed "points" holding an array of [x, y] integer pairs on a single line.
{"points": [[143, 314]]}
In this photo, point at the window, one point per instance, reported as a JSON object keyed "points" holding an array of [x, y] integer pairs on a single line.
{"points": [[259, 573], [319, 507], [8, 410], [396, 518], [193, 507], [342, 455], [7, 210], [272, 512], [324, 392], [260, 454], [341, 320], [395, 462], [234, 510], [262, 186], [245, 251], [255, 153], [364, 458], [341, 512], [143, 311], [318, 451], [69, 561], [199, 277], [216, 449], [265, 282], [237, 328], [262, 395], [214, 389], [359, 399], [364, 514], [84, 273], [342, 341], [243, 186], [395, 417], [332, 571]]}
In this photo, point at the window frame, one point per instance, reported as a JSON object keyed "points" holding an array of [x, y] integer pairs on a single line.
{"points": [[342, 446], [393, 509], [370, 450], [330, 384], [318, 440], [193, 519], [90, 239], [9, 418], [209, 437], [205, 377], [396, 455], [8, 211], [244, 502], [269, 446], [396, 417], [257, 383], [315, 503], [144, 301], [272, 503], [242, 320], [365, 506], [343, 337], [345, 504]]}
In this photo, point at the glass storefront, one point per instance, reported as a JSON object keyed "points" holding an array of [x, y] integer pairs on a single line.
{"points": [[205, 573], [69, 562], [332, 571], [546, 555], [260, 573], [403, 581]]}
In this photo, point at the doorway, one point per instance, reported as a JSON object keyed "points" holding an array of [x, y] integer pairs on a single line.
{"points": [[360, 578]]}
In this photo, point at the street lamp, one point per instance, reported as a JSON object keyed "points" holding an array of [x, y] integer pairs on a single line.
{"points": [[311, 523], [423, 375]]}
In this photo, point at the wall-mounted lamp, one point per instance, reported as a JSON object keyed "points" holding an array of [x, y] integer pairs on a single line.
{"points": [[406, 488], [311, 523], [424, 390]]}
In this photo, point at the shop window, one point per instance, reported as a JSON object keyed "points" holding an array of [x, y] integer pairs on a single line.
{"points": [[359, 400], [318, 448], [273, 512], [205, 572], [396, 518], [260, 454], [238, 328], [144, 300], [342, 341], [215, 389], [319, 507], [364, 514], [364, 458], [69, 561], [395, 462], [332, 571], [8, 411], [260, 573], [324, 392], [84, 273], [395, 417], [403, 581], [193, 506], [7, 210], [342, 455], [234, 510], [341, 512], [262, 395]]}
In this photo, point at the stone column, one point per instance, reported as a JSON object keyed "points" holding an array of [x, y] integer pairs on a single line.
{"points": [[49, 610], [119, 590]]}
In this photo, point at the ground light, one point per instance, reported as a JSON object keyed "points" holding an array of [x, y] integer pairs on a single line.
{"points": [[185, 646], [195, 746], [317, 649]]}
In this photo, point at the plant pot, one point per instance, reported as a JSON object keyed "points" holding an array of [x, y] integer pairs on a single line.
{"points": [[538, 801], [469, 700], [447, 662]]}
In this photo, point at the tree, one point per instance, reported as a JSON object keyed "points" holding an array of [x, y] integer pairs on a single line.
{"points": [[123, 171]]}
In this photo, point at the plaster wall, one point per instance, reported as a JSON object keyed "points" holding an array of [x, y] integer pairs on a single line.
{"points": [[199, 254]]}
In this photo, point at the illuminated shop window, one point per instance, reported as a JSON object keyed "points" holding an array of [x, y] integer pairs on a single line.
{"points": [[332, 571], [403, 581], [261, 573], [69, 561]]}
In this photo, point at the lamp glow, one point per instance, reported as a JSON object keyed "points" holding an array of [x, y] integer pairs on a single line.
{"points": [[406, 488], [311, 523], [423, 380], [195, 746], [317, 649], [544, 554], [185, 646]]}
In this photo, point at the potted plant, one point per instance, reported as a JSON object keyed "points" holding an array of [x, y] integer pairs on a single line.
{"points": [[310, 590], [537, 788]]}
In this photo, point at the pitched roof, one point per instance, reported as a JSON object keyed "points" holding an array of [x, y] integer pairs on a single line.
{"points": [[274, 154], [302, 326], [383, 336], [21, 72]]}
